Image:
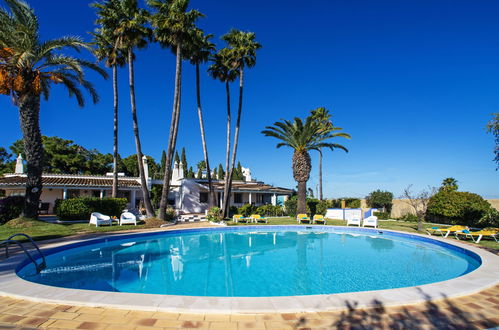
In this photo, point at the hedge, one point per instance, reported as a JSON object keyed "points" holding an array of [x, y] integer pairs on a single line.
{"points": [[10, 208], [81, 208], [457, 207]]}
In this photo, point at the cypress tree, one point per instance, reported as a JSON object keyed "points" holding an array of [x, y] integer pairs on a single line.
{"points": [[176, 158], [183, 158], [221, 173]]}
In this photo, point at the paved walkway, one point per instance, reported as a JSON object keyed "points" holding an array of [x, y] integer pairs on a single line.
{"points": [[477, 311]]}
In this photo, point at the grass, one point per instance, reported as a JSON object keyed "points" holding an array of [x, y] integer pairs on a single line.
{"points": [[40, 230]]}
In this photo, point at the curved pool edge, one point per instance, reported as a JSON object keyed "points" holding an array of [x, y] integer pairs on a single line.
{"points": [[486, 276]]}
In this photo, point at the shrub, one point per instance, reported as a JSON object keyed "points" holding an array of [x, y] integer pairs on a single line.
{"points": [[246, 210], [322, 206], [81, 208], [352, 203], [380, 199], [214, 214], [232, 210], [457, 207], [10, 208], [489, 219], [171, 215], [382, 215], [291, 205], [409, 217], [270, 210]]}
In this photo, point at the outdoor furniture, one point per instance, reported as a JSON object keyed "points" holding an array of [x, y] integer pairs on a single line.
{"points": [[319, 219], [371, 221], [137, 213], [447, 231], [494, 233], [240, 218], [302, 218], [128, 218], [353, 221], [97, 219], [257, 218]]}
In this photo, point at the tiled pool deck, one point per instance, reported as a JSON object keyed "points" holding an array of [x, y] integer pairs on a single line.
{"points": [[476, 311]]}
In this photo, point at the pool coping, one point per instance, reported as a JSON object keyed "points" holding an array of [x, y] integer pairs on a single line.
{"points": [[486, 276]]}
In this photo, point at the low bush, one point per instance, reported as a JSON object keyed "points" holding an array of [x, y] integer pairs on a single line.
{"points": [[246, 210], [232, 211], [291, 204], [81, 208], [322, 206], [10, 208], [411, 217], [457, 207], [270, 210], [170, 214], [382, 215], [489, 219], [214, 214]]}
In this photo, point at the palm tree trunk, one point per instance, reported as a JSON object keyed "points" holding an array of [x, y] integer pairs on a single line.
{"points": [[236, 134], [301, 206], [115, 147], [143, 182], [320, 175], [172, 139], [226, 196], [211, 194], [29, 115]]}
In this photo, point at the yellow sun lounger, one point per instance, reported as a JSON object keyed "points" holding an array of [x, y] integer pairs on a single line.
{"points": [[444, 232], [257, 218], [302, 218], [240, 218], [319, 219], [494, 233]]}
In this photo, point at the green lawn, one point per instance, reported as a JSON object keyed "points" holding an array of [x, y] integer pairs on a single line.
{"points": [[40, 230]]}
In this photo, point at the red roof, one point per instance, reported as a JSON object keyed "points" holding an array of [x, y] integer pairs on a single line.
{"points": [[70, 181]]}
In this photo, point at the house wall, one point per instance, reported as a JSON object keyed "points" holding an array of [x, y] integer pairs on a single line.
{"points": [[189, 196], [50, 196]]}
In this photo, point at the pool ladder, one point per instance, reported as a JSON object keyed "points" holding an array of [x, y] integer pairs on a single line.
{"points": [[39, 266]]}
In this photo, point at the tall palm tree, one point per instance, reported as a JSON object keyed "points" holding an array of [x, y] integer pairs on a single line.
{"points": [[198, 52], [28, 68], [221, 69], [113, 58], [323, 118], [174, 26], [449, 184], [301, 137], [126, 22], [243, 49]]}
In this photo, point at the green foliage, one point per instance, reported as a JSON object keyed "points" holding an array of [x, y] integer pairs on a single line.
{"points": [[493, 128], [322, 206], [238, 172], [170, 214], [411, 217], [156, 191], [221, 172], [81, 208], [10, 208], [351, 202], [456, 207], [291, 204], [449, 184], [489, 219], [382, 215], [214, 214], [183, 159], [246, 210], [270, 210], [6, 163], [380, 199], [232, 210]]}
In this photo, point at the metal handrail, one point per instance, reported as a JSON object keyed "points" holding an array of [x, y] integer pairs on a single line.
{"points": [[10, 240]]}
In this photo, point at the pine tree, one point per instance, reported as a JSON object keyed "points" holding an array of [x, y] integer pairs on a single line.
{"points": [[190, 173], [221, 173]]}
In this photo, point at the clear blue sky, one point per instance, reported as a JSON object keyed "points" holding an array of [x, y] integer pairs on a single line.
{"points": [[413, 82]]}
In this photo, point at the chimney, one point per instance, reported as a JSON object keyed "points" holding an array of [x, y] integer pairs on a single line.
{"points": [[19, 165], [180, 170], [146, 167]]}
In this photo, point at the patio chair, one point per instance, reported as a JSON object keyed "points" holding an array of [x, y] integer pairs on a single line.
{"points": [[97, 219], [128, 218], [371, 221], [494, 233], [444, 232], [240, 218], [353, 221], [257, 218], [302, 218], [319, 219]]}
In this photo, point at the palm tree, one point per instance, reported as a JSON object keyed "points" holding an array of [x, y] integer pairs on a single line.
{"points": [[323, 118], [221, 69], [243, 49], [126, 22], [302, 137], [449, 184], [174, 26], [105, 50], [28, 68], [199, 51]]}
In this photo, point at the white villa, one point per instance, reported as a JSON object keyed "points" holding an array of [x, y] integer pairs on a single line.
{"points": [[187, 196]]}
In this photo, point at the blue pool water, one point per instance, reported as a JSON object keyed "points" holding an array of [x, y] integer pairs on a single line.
{"points": [[253, 262]]}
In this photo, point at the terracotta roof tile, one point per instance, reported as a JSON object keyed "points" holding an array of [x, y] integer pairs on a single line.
{"points": [[69, 181]]}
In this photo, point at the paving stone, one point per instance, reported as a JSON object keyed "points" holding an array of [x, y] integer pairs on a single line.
{"points": [[223, 325], [64, 315], [65, 324]]}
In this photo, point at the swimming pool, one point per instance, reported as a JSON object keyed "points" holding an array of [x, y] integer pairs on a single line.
{"points": [[263, 261]]}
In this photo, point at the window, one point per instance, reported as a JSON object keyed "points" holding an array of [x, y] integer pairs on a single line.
{"points": [[203, 197], [95, 193], [238, 198]]}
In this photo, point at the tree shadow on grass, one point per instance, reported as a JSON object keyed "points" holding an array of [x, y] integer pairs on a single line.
{"points": [[442, 314]]}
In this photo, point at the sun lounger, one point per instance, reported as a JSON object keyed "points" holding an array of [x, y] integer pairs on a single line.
{"points": [[302, 218], [353, 221], [494, 233], [371, 221], [97, 219], [444, 232], [128, 218], [257, 218], [319, 219], [240, 218]]}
